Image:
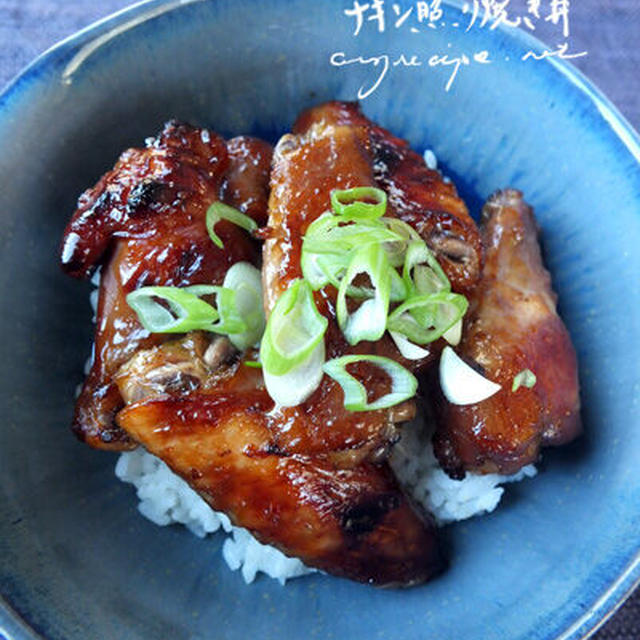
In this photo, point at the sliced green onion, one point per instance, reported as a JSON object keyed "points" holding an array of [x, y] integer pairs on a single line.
{"points": [[297, 384], [353, 204], [319, 274], [460, 383], [402, 228], [231, 321], [437, 313], [403, 383], [421, 278], [407, 349], [311, 270], [336, 238], [293, 330], [328, 248], [321, 224], [320, 269], [246, 281], [184, 311], [220, 211], [398, 288], [396, 250], [526, 378], [335, 268], [230, 317], [252, 364], [369, 321]]}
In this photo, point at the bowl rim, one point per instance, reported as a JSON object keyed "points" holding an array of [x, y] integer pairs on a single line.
{"points": [[613, 595]]}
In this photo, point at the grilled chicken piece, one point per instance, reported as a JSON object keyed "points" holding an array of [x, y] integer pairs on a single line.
{"points": [[144, 221], [416, 194], [194, 362], [512, 325], [354, 523], [306, 167]]}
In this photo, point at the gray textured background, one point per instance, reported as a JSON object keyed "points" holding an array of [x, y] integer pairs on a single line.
{"points": [[609, 30]]}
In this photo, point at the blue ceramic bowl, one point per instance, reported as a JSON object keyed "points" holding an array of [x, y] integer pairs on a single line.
{"points": [[77, 560]]}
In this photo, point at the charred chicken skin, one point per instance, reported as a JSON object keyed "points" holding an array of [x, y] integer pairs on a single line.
{"points": [[144, 224], [512, 325]]}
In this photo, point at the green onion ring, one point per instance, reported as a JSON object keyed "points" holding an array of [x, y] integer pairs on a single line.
{"points": [[438, 313], [293, 330], [220, 211], [351, 204], [403, 382]]}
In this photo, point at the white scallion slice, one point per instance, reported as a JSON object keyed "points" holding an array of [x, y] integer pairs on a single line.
{"points": [[408, 349], [454, 335], [369, 321], [526, 378], [421, 272], [460, 383], [403, 383], [246, 281], [295, 386], [425, 318], [294, 329], [220, 211]]}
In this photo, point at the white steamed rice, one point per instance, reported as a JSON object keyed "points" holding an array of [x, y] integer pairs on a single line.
{"points": [[164, 498]]}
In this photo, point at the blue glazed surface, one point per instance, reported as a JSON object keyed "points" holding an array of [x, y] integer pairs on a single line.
{"points": [[77, 561]]}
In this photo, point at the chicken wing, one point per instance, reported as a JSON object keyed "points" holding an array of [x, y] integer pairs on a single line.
{"points": [[144, 221], [306, 167], [350, 522], [512, 326]]}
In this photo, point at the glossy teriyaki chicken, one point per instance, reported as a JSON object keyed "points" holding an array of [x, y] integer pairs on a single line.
{"points": [[512, 326], [311, 477], [143, 223], [353, 522]]}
